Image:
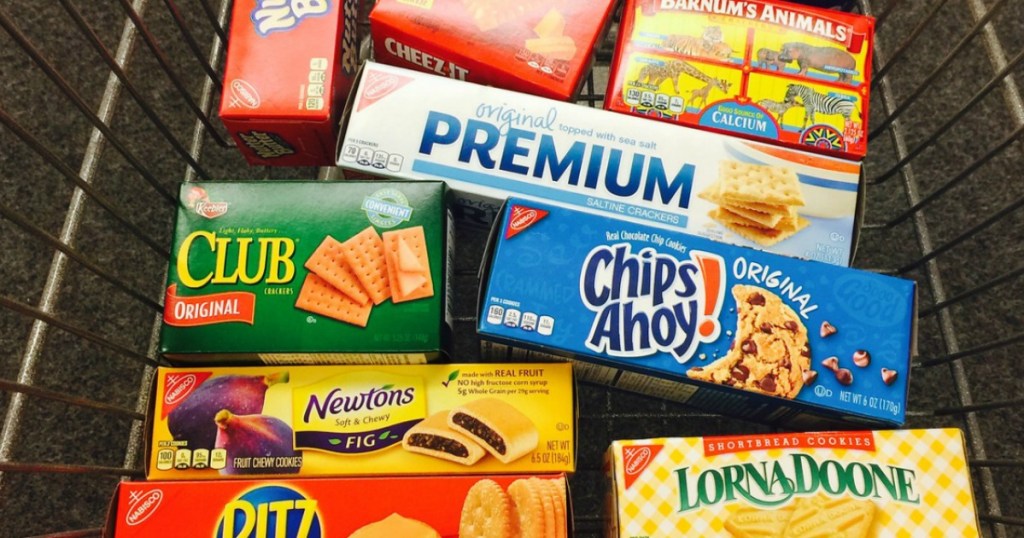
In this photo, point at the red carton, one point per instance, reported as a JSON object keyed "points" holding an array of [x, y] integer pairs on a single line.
{"points": [[766, 70], [289, 67], [354, 507], [539, 47]]}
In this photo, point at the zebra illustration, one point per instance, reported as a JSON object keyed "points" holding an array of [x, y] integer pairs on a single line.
{"points": [[813, 101]]}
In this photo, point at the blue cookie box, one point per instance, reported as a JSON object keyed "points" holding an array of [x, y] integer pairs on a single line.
{"points": [[534, 304]]}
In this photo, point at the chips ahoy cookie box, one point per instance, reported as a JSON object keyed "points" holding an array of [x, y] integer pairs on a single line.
{"points": [[759, 336]]}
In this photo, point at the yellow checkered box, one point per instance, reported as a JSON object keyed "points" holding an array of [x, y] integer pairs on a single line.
{"points": [[800, 485]]}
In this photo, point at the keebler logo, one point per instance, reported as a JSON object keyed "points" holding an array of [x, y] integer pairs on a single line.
{"points": [[636, 459], [283, 15], [201, 204], [521, 218], [142, 505]]}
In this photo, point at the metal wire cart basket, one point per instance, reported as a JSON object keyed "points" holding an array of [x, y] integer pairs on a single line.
{"points": [[107, 104]]}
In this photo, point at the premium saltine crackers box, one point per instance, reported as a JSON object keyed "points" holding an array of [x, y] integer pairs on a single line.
{"points": [[540, 47], [288, 68], [728, 329], [488, 144], [767, 70], [379, 507], [796, 485], [314, 272], [210, 423]]}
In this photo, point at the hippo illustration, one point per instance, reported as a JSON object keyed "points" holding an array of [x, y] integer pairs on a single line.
{"points": [[821, 58]]}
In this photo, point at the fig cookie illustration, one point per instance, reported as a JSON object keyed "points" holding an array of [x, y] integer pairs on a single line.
{"points": [[193, 419], [250, 437]]}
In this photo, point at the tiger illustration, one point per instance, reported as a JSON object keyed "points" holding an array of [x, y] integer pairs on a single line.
{"points": [[709, 45]]}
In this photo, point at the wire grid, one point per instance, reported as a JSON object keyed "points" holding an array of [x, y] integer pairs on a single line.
{"points": [[108, 104]]}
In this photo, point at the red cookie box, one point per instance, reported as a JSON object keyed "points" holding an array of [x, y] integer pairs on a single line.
{"points": [[541, 47], [428, 507], [289, 67], [766, 70]]}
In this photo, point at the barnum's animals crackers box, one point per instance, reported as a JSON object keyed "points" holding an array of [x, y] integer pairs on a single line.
{"points": [[541, 47], [793, 485], [723, 328], [210, 423], [768, 70], [309, 272], [488, 144], [288, 68], [387, 507]]}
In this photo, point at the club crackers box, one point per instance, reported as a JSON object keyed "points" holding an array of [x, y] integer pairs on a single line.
{"points": [[211, 423], [541, 47], [288, 68], [862, 484], [767, 70], [723, 328], [380, 507], [309, 272], [488, 144]]}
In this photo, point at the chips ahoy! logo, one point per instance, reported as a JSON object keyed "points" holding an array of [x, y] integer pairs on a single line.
{"points": [[648, 302], [282, 15], [272, 511]]}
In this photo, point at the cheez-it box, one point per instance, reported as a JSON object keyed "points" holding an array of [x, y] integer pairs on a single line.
{"points": [[861, 484], [213, 423], [539, 47], [719, 327], [384, 507], [309, 272], [763, 69], [288, 68]]}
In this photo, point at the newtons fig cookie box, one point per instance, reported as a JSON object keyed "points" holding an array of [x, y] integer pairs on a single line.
{"points": [[377, 507], [723, 328], [212, 423], [488, 144], [859, 484]]}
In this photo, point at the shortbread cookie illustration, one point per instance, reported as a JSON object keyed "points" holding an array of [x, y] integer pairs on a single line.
{"points": [[822, 515], [752, 522], [770, 352]]}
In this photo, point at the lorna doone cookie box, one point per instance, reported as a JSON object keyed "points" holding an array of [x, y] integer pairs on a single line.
{"points": [[488, 144], [723, 328]]}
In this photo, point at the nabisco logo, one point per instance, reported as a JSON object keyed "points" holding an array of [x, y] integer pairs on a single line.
{"points": [[244, 94], [142, 505], [178, 387], [635, 460], [522, 218], [377, 85]]}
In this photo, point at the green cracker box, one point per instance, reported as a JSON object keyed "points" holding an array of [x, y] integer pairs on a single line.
{"points": [[309, 272]]}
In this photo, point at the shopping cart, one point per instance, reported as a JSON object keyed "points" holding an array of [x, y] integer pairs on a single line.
{"points": [[108, 104]]}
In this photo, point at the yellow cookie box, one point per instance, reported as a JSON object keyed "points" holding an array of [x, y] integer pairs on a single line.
{"points": [[866, 484], [288, 421]]}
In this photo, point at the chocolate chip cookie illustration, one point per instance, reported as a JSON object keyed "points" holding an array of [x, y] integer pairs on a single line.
{"points": [[771, 350]]}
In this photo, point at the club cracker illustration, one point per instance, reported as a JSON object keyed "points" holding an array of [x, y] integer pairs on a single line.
{"points": [[771, 350], [396, 525], [488, 512], [750, 522], [364, 253], [757, 202], [408, 267], [499, 427], [822, 515], [319, 297], [432, 437], [328, 262]]}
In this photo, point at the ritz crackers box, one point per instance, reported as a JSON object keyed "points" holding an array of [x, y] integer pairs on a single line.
{"points": [[854, 484], [768, 70], [488, 143], [728, 329], [288, 68], [541, 47], [309, 271], [385, 507], [210, 423]]}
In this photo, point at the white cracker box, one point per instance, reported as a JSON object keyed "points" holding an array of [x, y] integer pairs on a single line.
{"points": [[489, 143], [866, 484]]}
